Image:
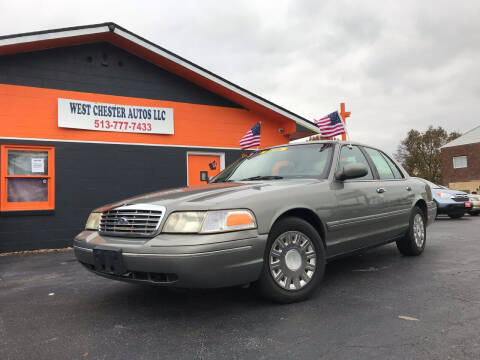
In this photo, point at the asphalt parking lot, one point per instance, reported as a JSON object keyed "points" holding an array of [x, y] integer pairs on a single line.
{"points": [[378, 305]]}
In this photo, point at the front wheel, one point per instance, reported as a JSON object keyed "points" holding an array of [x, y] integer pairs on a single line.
{"points": [[413, 243], [294, 261]]}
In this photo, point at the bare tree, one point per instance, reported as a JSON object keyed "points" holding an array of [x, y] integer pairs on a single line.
{"points": [[419, 152]]}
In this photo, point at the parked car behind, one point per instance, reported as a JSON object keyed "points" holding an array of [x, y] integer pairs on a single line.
{"points": [[453, 203], [273, 218], [475, 200]]}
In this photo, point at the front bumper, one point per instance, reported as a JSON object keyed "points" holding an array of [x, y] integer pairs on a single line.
{"points": [[181, 260], [452, 207]]}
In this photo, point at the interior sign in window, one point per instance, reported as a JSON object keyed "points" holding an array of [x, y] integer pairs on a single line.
{"points": [[113, 117], [37, 165]]}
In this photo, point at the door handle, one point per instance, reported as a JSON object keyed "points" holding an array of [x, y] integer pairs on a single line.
{"points": [[381, 190], [409, 188]]}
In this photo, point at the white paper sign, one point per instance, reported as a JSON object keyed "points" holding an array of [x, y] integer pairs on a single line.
{"points": [[113, 117], [38, 165]]}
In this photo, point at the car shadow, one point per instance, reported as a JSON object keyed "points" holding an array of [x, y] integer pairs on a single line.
{"points": [[166, 301], [446, 217]]}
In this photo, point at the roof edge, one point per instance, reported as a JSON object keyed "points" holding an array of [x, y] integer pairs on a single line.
{"points": [[121, 31], [212, 76], [71, 28], [466, 133]]}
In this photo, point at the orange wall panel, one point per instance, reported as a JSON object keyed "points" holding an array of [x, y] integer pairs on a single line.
{"points": [[28, 112]]}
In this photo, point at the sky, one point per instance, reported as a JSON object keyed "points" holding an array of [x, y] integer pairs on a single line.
{"points": [[398, 65]]}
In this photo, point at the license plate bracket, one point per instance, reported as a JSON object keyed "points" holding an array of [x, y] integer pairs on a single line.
{"points": [[109, 261]]}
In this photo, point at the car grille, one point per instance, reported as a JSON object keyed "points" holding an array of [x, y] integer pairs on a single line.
{"points": [[132, 220], [461, 197]]}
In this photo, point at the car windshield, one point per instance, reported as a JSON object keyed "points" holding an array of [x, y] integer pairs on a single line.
{"points": [[312, 160]]}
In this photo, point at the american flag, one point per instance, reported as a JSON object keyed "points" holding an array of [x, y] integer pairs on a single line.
{"points": [[330, 125], [251, 138]]}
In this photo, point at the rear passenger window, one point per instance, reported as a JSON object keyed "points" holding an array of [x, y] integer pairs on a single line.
{"points": [[352, 154], [396, 171], [383, 169]]}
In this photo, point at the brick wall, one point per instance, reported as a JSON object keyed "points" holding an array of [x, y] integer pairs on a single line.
{"points": [[469, 174]]}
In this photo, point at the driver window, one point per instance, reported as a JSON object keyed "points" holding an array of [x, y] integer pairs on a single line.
{"points": [[352, 154]]}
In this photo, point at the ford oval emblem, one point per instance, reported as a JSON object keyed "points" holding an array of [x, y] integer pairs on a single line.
{"points": [[123, 221]]}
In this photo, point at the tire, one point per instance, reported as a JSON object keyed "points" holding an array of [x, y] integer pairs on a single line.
{"points": [[473, 213], [456, 215], [413, 243], [298, 265]]}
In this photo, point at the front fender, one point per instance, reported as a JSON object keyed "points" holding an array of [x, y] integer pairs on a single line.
{"points": [[429, 203]]}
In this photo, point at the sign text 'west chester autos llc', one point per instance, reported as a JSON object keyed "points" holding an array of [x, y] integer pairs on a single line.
{"points": [[111, 117]]}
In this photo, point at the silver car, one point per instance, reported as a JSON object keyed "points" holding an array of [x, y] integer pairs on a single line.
{"points": [[475, 201], [274, 219]]}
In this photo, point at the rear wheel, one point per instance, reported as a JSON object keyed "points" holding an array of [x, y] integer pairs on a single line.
{"points": [[413, 243], [474, 213], [294, 261]]}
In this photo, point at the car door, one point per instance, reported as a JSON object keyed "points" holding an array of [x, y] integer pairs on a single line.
{"points": [[396, 193], [358, 205]]}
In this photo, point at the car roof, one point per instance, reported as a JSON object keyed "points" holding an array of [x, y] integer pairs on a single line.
{"points": [[340, 142]]}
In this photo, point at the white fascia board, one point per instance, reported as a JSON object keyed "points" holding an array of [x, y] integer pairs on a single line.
{"points": [[210, 77], [54, 35]]}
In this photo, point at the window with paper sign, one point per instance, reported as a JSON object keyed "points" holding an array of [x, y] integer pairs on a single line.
{"points": [[27, 178]]}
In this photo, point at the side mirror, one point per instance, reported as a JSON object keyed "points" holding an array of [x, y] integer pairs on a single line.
{"points": [[351, 171]]}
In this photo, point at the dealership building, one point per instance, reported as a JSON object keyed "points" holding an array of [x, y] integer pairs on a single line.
{"points": [[93, 114], [460, 161]]}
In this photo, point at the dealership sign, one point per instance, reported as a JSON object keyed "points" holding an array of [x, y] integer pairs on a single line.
{"points": [[112, 117]]}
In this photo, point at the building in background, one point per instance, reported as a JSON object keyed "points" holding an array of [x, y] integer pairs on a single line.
{"points": [[93, 114], [461, 162]]}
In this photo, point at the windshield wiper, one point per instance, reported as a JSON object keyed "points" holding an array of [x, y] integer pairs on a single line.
{"points": [[264, 177]]}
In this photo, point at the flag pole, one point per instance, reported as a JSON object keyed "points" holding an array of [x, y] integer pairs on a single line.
{"points": [[260, 123]]}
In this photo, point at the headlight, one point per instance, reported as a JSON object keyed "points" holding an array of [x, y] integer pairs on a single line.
{"points": [[93, 221], [445, 195], [184, 222], [210, 221]]}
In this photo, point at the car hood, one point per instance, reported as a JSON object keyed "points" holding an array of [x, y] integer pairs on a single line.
{"points": [[449, 191], [211, 196]]}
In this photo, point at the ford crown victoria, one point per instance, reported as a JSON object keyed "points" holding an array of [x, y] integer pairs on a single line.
{"points": [[273, 218]]}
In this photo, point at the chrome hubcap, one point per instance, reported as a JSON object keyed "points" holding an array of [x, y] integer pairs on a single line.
{"points": [[418, 230], [292, 260]]}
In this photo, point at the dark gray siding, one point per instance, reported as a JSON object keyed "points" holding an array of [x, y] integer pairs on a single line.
{"points": [[302, 128], [104, 69], [88, 176]]}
